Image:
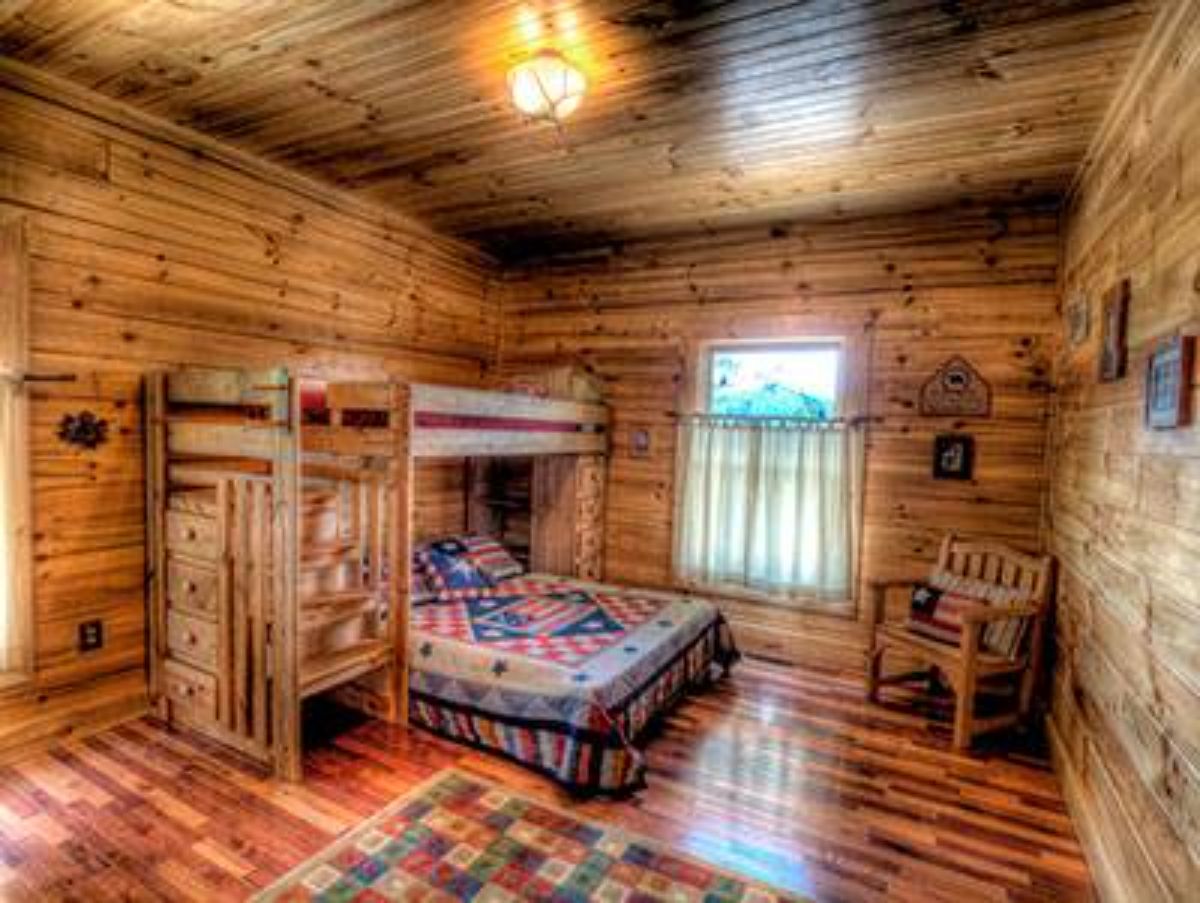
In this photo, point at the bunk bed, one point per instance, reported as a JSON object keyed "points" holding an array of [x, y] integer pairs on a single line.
{"points": [[281, 566], [547, 667]]}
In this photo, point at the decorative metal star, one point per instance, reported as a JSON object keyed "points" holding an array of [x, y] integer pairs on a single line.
{"points": [[84, 429]]}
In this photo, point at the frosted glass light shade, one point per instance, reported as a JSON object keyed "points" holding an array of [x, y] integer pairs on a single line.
{"points": [[546, 86]]}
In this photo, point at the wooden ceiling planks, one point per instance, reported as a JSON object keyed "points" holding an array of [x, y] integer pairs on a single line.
{"points": [[701, 115]]}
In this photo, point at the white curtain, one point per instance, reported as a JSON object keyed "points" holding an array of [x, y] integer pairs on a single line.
{"points": [[13, 475], [769, 506]]}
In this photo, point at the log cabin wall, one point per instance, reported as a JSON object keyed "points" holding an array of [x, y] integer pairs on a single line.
{"points": [[152, 247], [1124, 506], [919, 289]]}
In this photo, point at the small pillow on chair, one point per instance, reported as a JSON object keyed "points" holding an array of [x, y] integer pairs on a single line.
{"points": [[937, 606], [938, 613]]}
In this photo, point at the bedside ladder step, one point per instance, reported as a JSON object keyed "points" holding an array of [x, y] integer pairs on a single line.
{"points": [[325, 609], [334, 668]]}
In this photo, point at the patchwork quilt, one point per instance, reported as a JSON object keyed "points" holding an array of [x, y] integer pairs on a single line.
{"points": [[563, 676]]}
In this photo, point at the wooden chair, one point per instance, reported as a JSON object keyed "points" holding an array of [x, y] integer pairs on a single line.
{"points": [[967, 667]]}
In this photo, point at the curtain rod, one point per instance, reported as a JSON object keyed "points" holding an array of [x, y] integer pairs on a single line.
{"points": [[858, 420]]}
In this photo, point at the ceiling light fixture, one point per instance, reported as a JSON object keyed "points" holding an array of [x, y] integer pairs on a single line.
{"points": [[546, 86]]}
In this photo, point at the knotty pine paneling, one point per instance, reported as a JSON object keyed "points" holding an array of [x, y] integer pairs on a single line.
{"points": [[914, 290], [699, 115], [1123, 512], [440, 503], [151, 247]]}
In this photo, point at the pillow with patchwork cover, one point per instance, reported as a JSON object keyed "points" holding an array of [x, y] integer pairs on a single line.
{"points": [[448, 571], [492, 559], [937, 607], [465, 567]]}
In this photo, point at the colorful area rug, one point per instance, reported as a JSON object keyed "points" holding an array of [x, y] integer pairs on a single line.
{"points": [[458, 838]]}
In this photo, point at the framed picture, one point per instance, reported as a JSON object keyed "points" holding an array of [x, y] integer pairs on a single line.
{"points": [[1114, 351], [1079, 320], [953, 456], [1169, 383]]}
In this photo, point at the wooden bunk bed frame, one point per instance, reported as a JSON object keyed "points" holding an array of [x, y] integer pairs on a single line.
{"points": [[280, 536]]}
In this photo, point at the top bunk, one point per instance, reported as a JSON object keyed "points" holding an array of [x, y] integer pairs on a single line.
{"points": [[243, 417], [243, 420], [452, 422]]}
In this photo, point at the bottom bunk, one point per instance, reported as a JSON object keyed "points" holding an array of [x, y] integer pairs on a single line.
{"points": [[564, 676]]}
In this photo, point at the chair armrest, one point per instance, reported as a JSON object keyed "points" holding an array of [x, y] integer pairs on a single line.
{"points": [[998, 613], [891, 584], [878, 599]]}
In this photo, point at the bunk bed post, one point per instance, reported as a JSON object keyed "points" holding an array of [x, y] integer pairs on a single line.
{"points": [[286, 702], [225, 582], [156, 552], [400, 553]]}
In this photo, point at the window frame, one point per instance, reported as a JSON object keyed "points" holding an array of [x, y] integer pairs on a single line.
{"points": [[853, 404], [14, 367]]}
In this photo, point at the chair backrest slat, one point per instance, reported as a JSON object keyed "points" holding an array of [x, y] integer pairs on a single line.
{"points": [[998, 564]]}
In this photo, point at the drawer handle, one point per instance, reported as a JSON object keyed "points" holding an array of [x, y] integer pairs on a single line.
{"points": [[190, 587], [191, 639], [190, 534]]}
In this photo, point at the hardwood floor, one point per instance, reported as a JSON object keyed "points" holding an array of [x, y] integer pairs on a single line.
{"points": [[780, 773]]}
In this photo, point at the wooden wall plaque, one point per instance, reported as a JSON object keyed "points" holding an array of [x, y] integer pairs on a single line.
{"points": [[956, 390]]}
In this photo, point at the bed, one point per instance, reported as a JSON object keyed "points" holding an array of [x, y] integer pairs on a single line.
{"points": [[561, 675]]}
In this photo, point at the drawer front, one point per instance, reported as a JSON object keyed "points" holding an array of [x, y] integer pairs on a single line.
{"points": [[192, 535], [193, 640], [192, 694], [192, 589]]}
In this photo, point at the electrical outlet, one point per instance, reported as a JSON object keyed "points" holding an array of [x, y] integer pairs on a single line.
{"points": [[91, 635]]}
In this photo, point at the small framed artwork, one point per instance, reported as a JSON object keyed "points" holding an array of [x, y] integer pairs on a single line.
{"points": [[953, 456], [1114, 351], [1169, 383], [639, 442], [1079, 320]]}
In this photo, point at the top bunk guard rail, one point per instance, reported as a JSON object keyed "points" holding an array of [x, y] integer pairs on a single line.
{"points": [[353, 419], [225, 413], [451, 422]]}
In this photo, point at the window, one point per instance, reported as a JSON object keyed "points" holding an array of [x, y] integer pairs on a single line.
{"points": [[769, 473], [776, 381], [15, 600]]}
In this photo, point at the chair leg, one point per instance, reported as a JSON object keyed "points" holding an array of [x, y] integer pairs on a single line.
{"points": [[964, 709]]}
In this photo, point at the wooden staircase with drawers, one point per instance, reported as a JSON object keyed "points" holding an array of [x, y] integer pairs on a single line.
{"points": [[276, 570]]}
